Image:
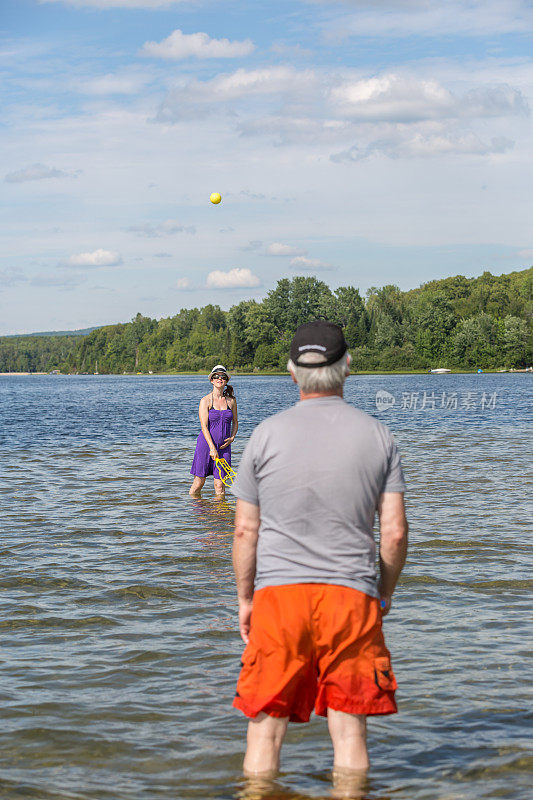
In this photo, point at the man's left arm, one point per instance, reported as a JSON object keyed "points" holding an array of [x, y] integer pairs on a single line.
{"points": [[244, 559]]}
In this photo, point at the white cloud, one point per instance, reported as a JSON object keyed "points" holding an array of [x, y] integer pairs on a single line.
{"points": [[528, 254], [401, 143], [418, 17], [190, 98], [37, 172], [280, 249], [233, 279], [304, 129], [392, 97], [183, 284], [171, 226], [466, 144], [122, 83], [167, 228], [248, 195], [313, 264], [404, 98], [98, 258], [244, 82], [181, 45], [335, 109]]}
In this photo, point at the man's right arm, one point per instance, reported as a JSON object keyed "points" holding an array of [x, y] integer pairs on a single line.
{"points": [[392, 543], [247, 520]]}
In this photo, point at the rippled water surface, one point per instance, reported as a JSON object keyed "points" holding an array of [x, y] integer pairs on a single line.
{"points": [[119, 645]]}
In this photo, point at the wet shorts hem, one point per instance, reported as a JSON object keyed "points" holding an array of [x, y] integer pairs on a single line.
{"points": [[252, 712], [378, 708]]}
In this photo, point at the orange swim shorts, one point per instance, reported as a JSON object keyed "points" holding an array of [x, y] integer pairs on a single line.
{"points": [[315, 645]]}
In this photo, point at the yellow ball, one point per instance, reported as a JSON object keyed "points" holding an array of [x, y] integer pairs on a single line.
{"points": [[215, 198]]}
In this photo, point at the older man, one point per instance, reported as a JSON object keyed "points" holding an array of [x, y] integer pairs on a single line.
{"points": [[310, 604]]}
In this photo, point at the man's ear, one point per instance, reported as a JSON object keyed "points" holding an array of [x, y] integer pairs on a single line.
{"points": [[291, 371], [348, 364]]}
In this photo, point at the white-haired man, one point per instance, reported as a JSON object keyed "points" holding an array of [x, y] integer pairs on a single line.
{"points": [[310, 604]]}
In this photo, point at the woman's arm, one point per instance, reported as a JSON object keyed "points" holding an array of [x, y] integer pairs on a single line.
{"points": [[234, 424], [203, 413]]}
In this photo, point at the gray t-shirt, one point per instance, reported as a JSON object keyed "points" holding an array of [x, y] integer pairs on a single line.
{"points": [[317, 470]]}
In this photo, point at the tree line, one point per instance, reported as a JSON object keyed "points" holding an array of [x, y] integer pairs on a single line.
{"points": [[456, 322]]}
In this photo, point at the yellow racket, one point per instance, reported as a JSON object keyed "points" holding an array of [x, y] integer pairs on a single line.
{"points": [[222, 465]]}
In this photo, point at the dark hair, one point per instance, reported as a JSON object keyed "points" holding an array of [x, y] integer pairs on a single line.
{"points": [[228, 391]]}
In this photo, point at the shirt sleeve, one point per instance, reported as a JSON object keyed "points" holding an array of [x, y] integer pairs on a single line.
{"points": [[245, 484], [394, 480]]}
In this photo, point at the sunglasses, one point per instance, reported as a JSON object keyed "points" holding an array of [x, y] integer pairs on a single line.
{"points": [[219, 378]]}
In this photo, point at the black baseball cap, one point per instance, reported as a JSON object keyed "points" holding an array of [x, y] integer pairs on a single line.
{"points": [[321, 337]]}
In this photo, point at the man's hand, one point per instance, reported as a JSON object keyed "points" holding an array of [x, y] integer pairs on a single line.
{"points": [[385, 602], [245, 615]]}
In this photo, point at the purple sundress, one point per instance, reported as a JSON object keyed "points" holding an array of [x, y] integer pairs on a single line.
{"points": [[219, 426]]}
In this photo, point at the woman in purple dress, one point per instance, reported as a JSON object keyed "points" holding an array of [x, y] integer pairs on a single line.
{"points": [[218, 418]]}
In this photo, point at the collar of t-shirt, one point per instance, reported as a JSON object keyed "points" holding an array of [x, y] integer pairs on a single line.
{"points": [[329, 398]]}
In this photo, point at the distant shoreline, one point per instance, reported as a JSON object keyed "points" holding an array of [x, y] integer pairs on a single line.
{"points": [[265, 374]]}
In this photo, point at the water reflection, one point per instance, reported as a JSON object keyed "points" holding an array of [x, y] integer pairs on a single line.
{"points": [[345, 785], [255, 788], [214, 512], [349, 784]]}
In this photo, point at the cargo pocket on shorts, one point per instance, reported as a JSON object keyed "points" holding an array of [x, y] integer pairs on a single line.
{"points": [[383, 674]]}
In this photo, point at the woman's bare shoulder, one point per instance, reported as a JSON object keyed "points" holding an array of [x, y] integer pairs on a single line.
{"points": [[205, 399]]}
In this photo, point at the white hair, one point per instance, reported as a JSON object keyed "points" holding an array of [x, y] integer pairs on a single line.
{"points": [[321, 379]]}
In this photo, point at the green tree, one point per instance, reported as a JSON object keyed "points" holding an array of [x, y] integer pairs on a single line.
{"points": [[517, 344], [296, 301], [266, 356], [139, 328], [241, 349], [258, 326], [346, 308], [385, 307], [432, 324], [476, 341]]}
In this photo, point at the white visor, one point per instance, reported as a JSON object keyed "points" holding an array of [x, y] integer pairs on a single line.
{"points": [[219, 368]]}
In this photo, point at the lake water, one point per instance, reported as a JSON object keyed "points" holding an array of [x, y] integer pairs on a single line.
{"points": [[120, 651]]}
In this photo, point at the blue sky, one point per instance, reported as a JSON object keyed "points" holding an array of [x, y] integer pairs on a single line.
{"points": [[363, 143]]}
